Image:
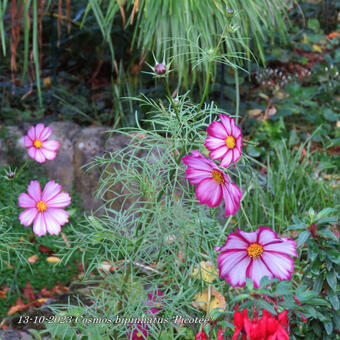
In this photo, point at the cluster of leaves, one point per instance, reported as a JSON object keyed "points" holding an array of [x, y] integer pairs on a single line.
{"points": [[321, 261]]}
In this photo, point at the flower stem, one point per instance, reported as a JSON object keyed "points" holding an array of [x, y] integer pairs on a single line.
{"points": [[206, 87], [170, 97], [237, 91], [21, 169]]}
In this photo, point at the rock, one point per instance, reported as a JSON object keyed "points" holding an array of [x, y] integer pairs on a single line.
{"points": [[61, 169], [88, 144], [14, 335]]}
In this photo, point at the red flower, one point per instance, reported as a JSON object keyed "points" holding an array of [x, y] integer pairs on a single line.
{"points": [[239, 323], [269, 327], [219, 334]]}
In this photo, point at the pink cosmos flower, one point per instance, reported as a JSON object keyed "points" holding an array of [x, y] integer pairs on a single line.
{"points": [[212, 183], [44, 209], [255, 255], [139, 333], [39, 148], [155, 302], [224, 140]]}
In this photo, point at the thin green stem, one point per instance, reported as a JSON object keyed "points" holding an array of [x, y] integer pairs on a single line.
{"points": [[21, 169], [206, 87], [237, 91], [170, 97]]}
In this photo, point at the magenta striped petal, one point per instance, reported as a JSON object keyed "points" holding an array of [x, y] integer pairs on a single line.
{"points": [[38, 130], [232, 198], [257, 270], [196, 176], [31, 133], [39, 226], [217, 130], [280, 265], [51, 190], [27, 216], [209, 192], [61, 200], [50, 155], [45, 134], [285, 247], [52, 225], [227, 159], [28, 142], [34, 190], [26, 201], [226, 121], [60, 215], [219, 153], [212, 143], [51, 145]]}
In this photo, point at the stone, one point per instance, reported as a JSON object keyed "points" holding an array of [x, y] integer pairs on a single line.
{"points": [[14, 335], [88, 144]]}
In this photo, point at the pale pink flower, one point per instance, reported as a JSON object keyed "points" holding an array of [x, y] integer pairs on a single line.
{"points": [[212, 183], [224, 141], [43, 209], [39, 147], [255, 255]]}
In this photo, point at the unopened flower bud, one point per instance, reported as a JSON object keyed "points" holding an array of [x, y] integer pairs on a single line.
{"points": [[229, 12], [160, 68], [10, 175]]}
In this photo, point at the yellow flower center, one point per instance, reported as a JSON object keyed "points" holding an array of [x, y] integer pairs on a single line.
{"points": [[255, 250], [217, 176], [230, 142], [41, 206], [139, 335], [37, 143]]}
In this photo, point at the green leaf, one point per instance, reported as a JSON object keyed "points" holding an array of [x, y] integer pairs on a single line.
{"points": [[328, 234], [328, 327], [318, 283], [331, 279], [330, 115], [240, 297], [264, 304], [303, 237], [333, 298], [313, 24], [325, 212]]}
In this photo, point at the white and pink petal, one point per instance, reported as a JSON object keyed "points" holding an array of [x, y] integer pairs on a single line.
{"points": [[51, 190], [280, 265], [28, 142], [226, 121], [34, 190], [61, 200], [51, 145], [287, 247], [26, 201], [45, 134], [39, 226], [217, 130], [209, 192], [212, 143], [52, 225], [60, 215], [27, 216], [257, 270], [219, 153]]}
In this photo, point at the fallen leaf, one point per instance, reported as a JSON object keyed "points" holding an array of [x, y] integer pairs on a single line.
{"points": [[216, 300], [33, 259], [53, 259], [44, 249], [29, 292], [317, 48], [206, 271], [333, 35], [19, 306]]}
